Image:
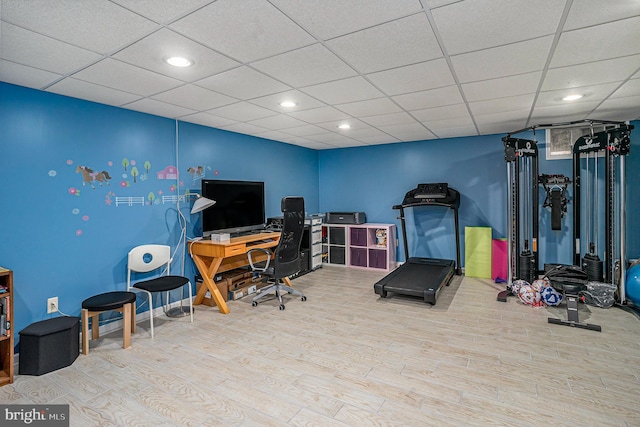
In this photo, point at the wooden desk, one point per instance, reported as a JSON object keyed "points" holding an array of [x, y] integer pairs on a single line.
{"points": [[215, 257]]}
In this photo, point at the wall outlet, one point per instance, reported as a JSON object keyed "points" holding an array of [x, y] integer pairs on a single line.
{"points": [[52, 305]]}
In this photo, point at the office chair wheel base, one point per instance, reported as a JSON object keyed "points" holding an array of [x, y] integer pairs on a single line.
{"points": [[303, 298], [281, 306], [254, 303]]}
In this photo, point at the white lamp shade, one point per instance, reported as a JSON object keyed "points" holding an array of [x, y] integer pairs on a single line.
{"points": [[201, 204]]}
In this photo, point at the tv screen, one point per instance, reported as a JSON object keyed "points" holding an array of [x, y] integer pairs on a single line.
{"points": [[239, 206]]}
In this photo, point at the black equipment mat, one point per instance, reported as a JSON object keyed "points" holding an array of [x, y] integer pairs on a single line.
{"points": [[419, 277]]}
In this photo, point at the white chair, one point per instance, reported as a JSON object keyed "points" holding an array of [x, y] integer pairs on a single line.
{"points": [[147, 258]]}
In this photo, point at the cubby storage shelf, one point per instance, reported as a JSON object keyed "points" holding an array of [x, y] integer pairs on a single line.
{"points": [[368, 246]]}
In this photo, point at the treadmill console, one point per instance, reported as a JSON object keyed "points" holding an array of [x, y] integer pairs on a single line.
{"points": [[431, 194]]}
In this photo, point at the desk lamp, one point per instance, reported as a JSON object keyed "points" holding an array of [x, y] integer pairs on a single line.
{"points": [[199, 205]]}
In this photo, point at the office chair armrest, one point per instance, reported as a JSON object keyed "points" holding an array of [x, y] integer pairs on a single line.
{"points": [[255, 267]]}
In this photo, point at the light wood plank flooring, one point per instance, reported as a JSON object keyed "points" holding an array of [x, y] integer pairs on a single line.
{"points": [[346, 357]]}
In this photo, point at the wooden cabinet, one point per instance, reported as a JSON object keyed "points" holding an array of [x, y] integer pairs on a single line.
{"points": [[370, 246], [6, 326]]}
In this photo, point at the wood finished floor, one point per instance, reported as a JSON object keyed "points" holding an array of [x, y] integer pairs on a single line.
{"points": [[345, 357]]}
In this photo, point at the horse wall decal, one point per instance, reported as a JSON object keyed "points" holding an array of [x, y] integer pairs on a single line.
{"points": [[89, 176]]}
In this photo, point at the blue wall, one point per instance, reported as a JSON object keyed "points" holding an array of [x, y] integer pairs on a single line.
{"points": [[66, 239], [63, 238]]}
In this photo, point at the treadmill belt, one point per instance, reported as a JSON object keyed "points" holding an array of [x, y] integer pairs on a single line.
{"points": [[420, 277]]}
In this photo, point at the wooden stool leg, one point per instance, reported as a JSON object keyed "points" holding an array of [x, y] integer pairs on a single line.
{"points": [[126, 328], [85, 331], [95, 325], [133, 317]]}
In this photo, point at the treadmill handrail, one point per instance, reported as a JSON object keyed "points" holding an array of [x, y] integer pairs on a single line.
{"points": [[426, 203]]}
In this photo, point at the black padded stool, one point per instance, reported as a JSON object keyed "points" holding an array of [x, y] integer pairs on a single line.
{"points": [[49, 345], [122, 301]]}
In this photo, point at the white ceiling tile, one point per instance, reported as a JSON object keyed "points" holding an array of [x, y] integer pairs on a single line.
{"points": [[92, 92], [329, 18], [278, 122], [589, 94], [432, 4], [503, 61], [127, 78], [343, 91], [630, 88], [563, 113], [394, 44], [34, 50], [22, 75], [241, 112], [501, 127], [353, 123], [306, 66], [245, 31], [162, 10], [500, 105], [585, 13], [611, 109], [454, 131], [378, 139], [457, 111], [369, 107], [408, 132], [610, 70], [429, 98], [319, 115], [502, 87], [366, 132], [207, 119], [194, 97], [619, 38], [302, 101], [81, 23], [305, 130], [502, 117], [152, 51], [158, 108], [413, 78], [243, 83], [480, 24], [389, 119], [273, 135], [443, 125], [245, 128]]}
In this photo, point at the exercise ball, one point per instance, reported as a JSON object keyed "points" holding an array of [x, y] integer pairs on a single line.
{"points": [[633, 284]]}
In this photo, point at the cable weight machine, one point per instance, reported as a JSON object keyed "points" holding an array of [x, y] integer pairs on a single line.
{"points": [[612, 144], [521, 157]]}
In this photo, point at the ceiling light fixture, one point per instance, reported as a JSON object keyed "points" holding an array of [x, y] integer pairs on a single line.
{"points": [[344, 126], [179, 61], [287, 104], [571, 97]]}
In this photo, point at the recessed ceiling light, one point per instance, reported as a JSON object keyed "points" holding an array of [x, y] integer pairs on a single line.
{"points": [[287, 104], [179, 61], [344, 126], [571, 97]]}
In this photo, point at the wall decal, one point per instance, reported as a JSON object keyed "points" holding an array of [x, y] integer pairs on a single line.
{"points": [[89, 176]]}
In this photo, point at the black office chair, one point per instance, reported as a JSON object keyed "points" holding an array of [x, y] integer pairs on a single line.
{"points": [[284, 261]]}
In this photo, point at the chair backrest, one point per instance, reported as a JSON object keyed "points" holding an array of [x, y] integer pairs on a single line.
{"points": [[146, 258], [287, 253]]}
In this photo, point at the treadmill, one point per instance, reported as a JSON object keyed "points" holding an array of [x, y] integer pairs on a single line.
{"points": [[423, 277]]}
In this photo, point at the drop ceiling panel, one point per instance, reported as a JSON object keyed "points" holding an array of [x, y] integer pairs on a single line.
{"points": [[389, 119], [278, 122], [320, 115], [127, 78], [503, 61], [88, 24], [302, 101], [35, 50], [162, 11], [343, 91], [501, 105], [611, 70], [408, 132], [610, 109], [502, 87], [245, 30], [441, 113], [306, 66], [501, 22], [207, 119], [585, 13], [151, 106], [241, 112], [305, 130], [605, 41], [370, 107], [194, 97], [429, 98], [452, 132], [566, 112], [413, 78], [245, 128], [152, 51], [92, 92], [330, 18], [394, 44], [589, 93], [242, 83], [22, 75], [630, 88]]}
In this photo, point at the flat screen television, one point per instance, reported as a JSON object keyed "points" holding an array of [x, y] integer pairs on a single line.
{"points": [[239, 206]]}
